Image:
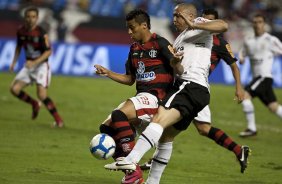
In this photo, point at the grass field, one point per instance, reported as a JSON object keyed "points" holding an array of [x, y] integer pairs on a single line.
{"points": [[33, 153]]}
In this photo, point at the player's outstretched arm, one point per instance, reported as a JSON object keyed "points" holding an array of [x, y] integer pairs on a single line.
{"points": [[120, 78], [15, 59], [239, 92], [214, 26]]}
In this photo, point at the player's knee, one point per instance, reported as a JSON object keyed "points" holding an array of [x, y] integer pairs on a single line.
{"points": [[203, 129], [14, 90], [118, 115], [248, 105], [273, 107], [107, 130]]}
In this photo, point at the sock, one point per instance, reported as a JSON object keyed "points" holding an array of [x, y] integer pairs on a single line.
{"points": [[224, 140], [279, 111], [124, 136], [148, 139], [160, 160], [52, 109], [248, 108], [26, 98]]}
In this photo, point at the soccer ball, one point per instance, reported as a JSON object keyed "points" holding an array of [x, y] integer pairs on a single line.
{"points": [[102, 146]]}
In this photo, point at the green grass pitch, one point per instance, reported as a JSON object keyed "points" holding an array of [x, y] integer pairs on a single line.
{"points": [[33, 153]]}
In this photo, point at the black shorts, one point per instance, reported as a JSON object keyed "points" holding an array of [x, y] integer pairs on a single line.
{"points": [[262, 88], [189, 98]]}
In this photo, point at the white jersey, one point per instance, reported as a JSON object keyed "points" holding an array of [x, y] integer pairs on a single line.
{"points": [[261, 51], [196, 45]]}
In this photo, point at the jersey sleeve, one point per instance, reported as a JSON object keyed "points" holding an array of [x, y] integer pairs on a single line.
{"points": [[19, 41], [276, 46], [44, 39], [166, 49], [224, 51], [128, 65]]}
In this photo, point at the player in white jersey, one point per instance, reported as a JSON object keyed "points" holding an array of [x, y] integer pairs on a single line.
{"points": [[191, 95], [261, 50]]}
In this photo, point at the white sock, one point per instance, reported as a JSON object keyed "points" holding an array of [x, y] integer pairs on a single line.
{"points": [[279, 111], [161, 157], [249, 110], [148, 139]]}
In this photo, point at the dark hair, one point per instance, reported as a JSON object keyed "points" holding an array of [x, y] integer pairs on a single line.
{"points": [[31, 8], [211, 12], [140, 16], [260, 15]]}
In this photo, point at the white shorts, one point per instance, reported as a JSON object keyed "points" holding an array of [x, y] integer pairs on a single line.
{"points": [[204, 115], [146, 105], [40, 75]]}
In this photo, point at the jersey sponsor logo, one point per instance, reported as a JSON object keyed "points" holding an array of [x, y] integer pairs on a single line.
{"points": [[141, 67], [141, 75], [153, 53]]}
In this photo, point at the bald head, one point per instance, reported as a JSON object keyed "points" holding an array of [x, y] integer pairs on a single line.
{"points": [[187, 8]]}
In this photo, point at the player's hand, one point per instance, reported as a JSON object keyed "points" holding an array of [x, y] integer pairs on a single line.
{"points": [[188, 22], [239, 95], [11, 68], [30, 64], [100, 70]]}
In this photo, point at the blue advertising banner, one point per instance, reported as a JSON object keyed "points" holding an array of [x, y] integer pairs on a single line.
{"points": [[79, 59]]}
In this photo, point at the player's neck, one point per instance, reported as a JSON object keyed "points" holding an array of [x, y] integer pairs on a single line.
{"points": [[147, 37], [258, 34], [30, 28]]}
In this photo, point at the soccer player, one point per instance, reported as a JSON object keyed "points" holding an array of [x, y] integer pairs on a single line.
{"points": [[35, 42], [220, 50], [191, 96], [261, 50], [148, 65]]}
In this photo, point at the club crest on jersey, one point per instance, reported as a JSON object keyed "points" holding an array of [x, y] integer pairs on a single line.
{"points": [[141, 75], [153, 53]]}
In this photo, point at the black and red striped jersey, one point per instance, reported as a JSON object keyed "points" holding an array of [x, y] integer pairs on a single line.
{"points": [[33, 41], [221, 50], [149, 63]]}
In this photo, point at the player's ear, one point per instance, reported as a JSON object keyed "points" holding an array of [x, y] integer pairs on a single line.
{"points": [[144, 25]]}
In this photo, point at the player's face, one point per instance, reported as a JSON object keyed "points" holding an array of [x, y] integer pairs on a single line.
{"points": [[135, 30], [210, 17], [31, 18], [178, 21], [258, 24]]}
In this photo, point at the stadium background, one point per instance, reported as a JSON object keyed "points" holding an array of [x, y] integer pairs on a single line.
{"points": [[88, 32]]}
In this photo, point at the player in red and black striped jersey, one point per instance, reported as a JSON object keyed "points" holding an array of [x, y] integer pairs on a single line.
{"points": [[148, 65], [35, 42]]}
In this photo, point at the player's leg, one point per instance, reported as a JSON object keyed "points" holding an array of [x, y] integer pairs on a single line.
{"points": [[124, 135], [21, 81], [148, 139], [50, 105], [276, 108], [249, 111], [203, 125], [162, 155], [42, 76], [268, 97]]}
